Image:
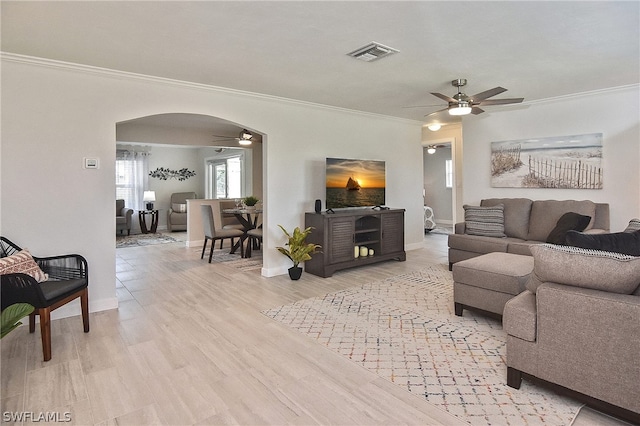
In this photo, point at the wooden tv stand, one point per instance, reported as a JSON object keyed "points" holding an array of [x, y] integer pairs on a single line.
{"points": [[340, 232]]}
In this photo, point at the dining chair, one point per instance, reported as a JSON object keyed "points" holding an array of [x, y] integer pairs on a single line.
{"points": [[255, 239], [213, 234], [61, 279]]}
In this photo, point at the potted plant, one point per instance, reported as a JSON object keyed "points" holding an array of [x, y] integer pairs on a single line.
{"points": [[11, 316], [250, 202], [297, 249]]}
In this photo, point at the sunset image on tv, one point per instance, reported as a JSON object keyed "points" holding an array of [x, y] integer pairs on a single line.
{"points": [[355, 183]]}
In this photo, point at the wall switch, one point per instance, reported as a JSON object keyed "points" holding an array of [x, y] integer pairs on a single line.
{"points": [[91, 163]]}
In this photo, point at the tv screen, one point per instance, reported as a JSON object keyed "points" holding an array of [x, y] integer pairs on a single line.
{"points": [[355, 183]]}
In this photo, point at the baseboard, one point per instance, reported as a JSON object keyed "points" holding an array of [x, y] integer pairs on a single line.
{"points": [[72, 309]]}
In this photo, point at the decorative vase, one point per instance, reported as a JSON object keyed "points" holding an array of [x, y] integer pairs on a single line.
{"points": [[295, 272], [356, 251], [364, 252]]}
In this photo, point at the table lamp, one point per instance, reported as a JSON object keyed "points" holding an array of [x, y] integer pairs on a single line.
{"points": [[149, 197]]}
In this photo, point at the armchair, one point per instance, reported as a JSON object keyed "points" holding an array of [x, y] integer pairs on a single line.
{"points": [[123, 217], [63, 279], [177, 214]]}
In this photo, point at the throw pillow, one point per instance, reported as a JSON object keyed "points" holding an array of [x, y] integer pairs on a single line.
{"points": [[619, 242], [570, 221], [180, 208], [22, 263], [634, 225], [484, 221], [594, 269]]}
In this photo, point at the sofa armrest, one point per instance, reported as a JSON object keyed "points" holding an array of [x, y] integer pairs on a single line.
{"points": [[589, 341], [459, 228]]}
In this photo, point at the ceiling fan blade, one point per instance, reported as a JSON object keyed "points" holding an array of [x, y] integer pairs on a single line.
{"points": [[436, 112], [444, 97], [487, 94], [421, 106], [501, 101], [476, 110]]}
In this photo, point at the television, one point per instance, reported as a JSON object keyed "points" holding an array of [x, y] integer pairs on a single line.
{"points": [[354, 183]]}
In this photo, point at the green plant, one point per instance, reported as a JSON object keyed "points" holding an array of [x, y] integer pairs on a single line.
{"points": [[297, 249], [11, 315], [250, 201]]}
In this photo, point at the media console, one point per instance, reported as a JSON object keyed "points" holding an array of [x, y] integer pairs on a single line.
{"points": [[340, 232]]}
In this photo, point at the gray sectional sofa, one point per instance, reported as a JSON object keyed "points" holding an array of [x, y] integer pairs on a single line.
{"points": [[526, 222]]}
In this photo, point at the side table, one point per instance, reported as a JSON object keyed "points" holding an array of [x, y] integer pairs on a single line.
{"points": [[142, 214]]}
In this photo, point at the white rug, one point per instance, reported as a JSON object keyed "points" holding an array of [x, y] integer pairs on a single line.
{"points": [[404, 329]]}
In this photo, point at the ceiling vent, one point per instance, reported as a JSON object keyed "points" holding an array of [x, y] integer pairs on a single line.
{"points": [[372, 51]]}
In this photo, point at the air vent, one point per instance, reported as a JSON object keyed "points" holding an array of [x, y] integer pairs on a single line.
{"points": [[372, 51]]}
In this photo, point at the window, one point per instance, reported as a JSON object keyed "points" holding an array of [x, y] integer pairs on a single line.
{"points": [[225, 177], [131, 177], [448, 173]]}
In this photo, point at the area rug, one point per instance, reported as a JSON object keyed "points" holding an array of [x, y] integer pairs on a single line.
{"points": [[235, 261], [139, 240], [403, 328]]}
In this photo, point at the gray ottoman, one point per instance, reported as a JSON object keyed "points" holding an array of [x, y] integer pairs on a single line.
{"points": [[487, 282]]}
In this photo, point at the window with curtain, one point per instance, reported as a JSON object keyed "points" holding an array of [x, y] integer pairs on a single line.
{"points": [[132, 177]]}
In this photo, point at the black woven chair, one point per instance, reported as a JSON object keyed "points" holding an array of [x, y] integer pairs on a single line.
{"points": [[68, 280]]}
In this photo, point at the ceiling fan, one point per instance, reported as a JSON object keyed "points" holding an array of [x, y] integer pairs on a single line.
{"points": [[461, 104], [244, 138]]}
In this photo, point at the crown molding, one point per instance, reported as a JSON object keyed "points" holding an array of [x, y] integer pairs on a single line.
{"points": [[107, 72]]}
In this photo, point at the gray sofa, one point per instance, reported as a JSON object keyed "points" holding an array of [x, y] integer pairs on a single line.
{"points": [[526, 222], [578, 326]]}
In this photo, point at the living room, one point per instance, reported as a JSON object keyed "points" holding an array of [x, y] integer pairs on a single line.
{"points": [[58, 110]]}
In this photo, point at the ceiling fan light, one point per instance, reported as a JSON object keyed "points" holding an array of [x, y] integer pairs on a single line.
{"points": [[244, 142], [434, 127], [460, 110], [246, 135], [431, 149]]}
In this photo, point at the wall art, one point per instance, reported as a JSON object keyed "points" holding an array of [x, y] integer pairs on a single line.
{"points": [[164, 174], [567, 162]]}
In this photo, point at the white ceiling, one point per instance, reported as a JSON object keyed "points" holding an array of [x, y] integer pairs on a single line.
{"points": [[298, 50]]}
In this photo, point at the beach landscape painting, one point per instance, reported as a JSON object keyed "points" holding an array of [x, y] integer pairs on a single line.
{"points": [[567, 162]]}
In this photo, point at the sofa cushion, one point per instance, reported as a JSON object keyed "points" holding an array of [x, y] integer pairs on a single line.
{"points": [[22, 263], [619, 242], [179, 207], [476, 244], [484, 221], [569, 221], [634, 225], [516, 215], [595, 269], [500, 272], [522, 247], [545, 215]]}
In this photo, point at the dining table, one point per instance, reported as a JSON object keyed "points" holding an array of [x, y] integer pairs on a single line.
{"points": [[248, 218]]}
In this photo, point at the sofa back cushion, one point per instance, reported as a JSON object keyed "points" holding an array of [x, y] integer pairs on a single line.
{"points": [[545, 215], [594, 269], [516, 215]]}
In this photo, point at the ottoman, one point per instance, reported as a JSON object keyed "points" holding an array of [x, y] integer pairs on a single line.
{"points": [[487, 282]]}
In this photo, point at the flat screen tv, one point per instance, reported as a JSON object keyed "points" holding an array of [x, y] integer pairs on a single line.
{"points": [[355, 183]]}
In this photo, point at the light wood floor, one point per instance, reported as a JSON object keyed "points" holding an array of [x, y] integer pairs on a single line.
{"points": [[188, 345]]}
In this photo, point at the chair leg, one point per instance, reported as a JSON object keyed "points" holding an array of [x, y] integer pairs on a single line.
{"points": [[221, 241], [45, 331], [213, 243], [84, 304], [204, 247], [32, 322], [247, 252]]}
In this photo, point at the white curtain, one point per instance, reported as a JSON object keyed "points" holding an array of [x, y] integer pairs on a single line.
{"points": [[132, 177]]}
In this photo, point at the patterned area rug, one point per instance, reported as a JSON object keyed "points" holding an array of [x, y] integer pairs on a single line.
{"points": [[139, 240], [234, 260], [404, 329]]}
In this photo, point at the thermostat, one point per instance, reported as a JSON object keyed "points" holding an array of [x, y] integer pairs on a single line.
{"points": [[91, 163]]}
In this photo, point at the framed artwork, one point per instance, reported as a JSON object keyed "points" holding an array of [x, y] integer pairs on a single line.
{"points": [[567, 162]]}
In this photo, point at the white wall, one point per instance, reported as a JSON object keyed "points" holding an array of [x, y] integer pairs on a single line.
{"points": [[55, 114], [615, 113]]}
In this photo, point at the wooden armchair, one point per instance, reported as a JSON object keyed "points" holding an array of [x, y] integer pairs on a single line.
{"points": [[68, 279]]}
